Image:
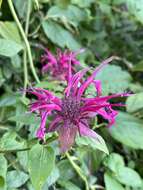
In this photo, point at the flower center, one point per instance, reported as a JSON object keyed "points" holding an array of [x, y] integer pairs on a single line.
{"points": [[70, 109]]}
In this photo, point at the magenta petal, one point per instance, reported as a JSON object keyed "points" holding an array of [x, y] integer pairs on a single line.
{"points": [[41, 131], [91, 78], [54, 124], [98, 87], [48, 107], [86, 131], [67, 135], [110, 115]]}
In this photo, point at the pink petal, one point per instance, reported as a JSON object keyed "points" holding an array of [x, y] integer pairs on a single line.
{"points": [[41, 131], [48, 107], [98, 87], [86, 131], [67, 135], [91, 78], [54, 124]]}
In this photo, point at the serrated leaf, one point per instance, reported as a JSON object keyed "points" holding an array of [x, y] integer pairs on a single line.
{"points": [[94, 143], [41, 164], [9, 48], [113, 82], [60, 36], [128, 130]]}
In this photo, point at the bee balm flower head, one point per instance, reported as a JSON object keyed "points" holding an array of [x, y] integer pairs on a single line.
{"points": [[72, 113], [58, 65]]}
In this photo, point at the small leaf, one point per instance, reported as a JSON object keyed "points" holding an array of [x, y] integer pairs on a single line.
{"points": [[114, 161], [41, 164], [135, 102], [3, 170], [111, 183], [94, 143], [129, 177], [60, 36], [128, 130], [9, 48], [16, 178]]}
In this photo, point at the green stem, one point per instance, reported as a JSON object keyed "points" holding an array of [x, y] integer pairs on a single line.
{"points": [[78, 170], [24, 38], [25, 53]]}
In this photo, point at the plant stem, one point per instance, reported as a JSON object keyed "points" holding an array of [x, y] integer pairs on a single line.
{"points": [[24, 38], [78, 170], [25, 53]]}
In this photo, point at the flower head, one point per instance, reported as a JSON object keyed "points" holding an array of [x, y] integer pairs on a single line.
{"points": [[58, 65], [72, 113]]}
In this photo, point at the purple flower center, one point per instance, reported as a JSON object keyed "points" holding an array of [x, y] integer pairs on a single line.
{"points": [[71, 109]]}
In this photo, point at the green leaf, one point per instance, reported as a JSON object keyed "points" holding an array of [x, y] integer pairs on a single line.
{"points": [[94, 143], [121, 80], [41, 164], [27, 119], [83, 3], [138, 66], [0, 3], [2, 80], [135, 102], [23, 159], [9, 48], [136, 9], [129, 177], [71, 14], [114, 161], [9, 31], [111, 183], [51, 179], [9, 142], [21, 7], [128, 130], [66, 172], [60, 36], [16, 178], [68, 185], [3, 171]]}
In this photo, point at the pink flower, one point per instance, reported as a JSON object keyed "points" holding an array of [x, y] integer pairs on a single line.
{"points": [[58, 65], [72, 114]]}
